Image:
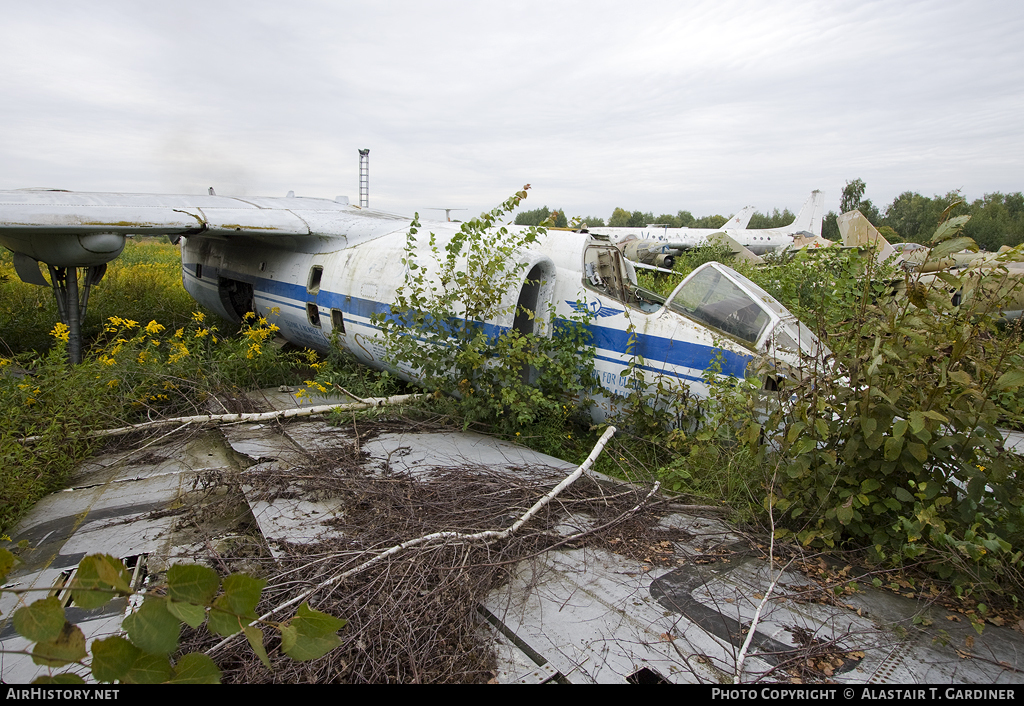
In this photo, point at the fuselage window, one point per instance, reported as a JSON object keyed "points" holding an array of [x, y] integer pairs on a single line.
{"points": [[313, 314], [316, 272], [337, 322]]}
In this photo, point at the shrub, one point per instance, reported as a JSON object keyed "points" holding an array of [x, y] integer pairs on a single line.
{"points": [[441, 327], [898, 450]]}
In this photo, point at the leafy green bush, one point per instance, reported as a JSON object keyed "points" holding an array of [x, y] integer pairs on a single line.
{"points": [[142, 284], [134, 372], [441, 327], [897, 449]]}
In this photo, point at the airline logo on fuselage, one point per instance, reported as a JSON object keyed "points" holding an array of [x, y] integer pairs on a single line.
{"points": [[593, 309]]}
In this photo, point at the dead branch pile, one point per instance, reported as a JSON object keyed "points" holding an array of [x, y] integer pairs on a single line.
{"points": [[413, 617]]}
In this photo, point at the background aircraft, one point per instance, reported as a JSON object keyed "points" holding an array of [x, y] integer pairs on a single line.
{"points": [[758, 240], [997, 275]]}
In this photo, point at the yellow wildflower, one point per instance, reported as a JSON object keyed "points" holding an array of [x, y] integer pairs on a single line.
{"points": [[60, 332], [153, 328], [116, 322]]}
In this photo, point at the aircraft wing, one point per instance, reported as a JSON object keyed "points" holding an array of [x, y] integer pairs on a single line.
{"points": [[76, 229]]}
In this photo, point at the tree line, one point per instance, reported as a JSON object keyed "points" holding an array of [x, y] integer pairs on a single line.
{"points": [[997, 219], [621, 218]]}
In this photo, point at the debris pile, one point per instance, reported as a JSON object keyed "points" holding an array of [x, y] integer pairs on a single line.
{"points": [[414, 616]]}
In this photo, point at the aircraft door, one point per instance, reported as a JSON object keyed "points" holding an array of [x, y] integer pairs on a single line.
{"points": [[534, 297], [533, 305], [316, 273], [526, 308]]}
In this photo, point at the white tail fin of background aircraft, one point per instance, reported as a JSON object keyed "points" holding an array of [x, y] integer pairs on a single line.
{"points": [[740, 220], [810, 215]]}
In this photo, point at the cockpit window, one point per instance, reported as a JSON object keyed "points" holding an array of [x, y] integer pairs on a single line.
{"points": [[606, 271], [711, 298], [603, 271]]}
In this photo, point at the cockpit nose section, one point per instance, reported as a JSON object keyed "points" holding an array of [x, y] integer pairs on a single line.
{"points": [[728, 302]]}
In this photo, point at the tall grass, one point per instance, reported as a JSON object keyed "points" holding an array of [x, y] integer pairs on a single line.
{"points": [[150, 351], [144, 283]]}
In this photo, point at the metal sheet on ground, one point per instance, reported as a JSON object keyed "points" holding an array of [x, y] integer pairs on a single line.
{"points": [[578, 614]]}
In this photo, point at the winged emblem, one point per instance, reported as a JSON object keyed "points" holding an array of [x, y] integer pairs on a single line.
{"points": [[593, 309]]}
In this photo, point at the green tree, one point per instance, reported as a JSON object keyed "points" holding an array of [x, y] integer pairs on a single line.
{"points": [[914, 216], [534, 217], [441, 325], [775, 219], [997, 220], [619, 219], [830, 227], [852, 194], [639, 219], [852, 199], [667, 219], [716, 221]]}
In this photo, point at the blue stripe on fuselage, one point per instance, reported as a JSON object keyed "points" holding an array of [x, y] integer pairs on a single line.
{"points": [[655, 349]]}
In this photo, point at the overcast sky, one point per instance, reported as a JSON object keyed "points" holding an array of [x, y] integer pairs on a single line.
{"points": [[656, 106]]}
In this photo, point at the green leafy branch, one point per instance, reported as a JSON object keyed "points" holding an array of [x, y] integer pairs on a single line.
{"points": [[451, 326], [193, 595]]}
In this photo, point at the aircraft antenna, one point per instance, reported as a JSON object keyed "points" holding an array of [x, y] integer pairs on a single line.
{"points": [[364, 178]]}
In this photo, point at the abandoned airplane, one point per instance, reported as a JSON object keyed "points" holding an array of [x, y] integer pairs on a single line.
{"points": [[758, 240], [320, 269]]}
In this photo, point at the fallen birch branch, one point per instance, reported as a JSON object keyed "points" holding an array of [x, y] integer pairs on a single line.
{"points": [[255, 416], [487, 536], [738, 678]]}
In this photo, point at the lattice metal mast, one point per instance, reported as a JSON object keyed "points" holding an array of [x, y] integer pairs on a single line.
{"points": [[364, 178]]}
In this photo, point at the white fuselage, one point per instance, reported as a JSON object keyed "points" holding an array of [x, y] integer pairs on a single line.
{"points": [[320, 269]]}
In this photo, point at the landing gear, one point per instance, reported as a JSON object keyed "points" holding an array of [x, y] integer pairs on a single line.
{"points": [[72, 301]]}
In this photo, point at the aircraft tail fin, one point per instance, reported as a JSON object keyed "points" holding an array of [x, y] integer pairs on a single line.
{"points": [[857, 231], [740, 220], [809, 218]]}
